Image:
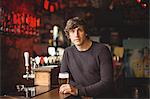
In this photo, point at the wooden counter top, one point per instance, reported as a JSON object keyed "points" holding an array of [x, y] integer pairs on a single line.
{"points": [[12, 97], [53, 94]]}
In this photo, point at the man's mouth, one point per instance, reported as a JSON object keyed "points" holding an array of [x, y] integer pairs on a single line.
{"points": [[76, 40]]}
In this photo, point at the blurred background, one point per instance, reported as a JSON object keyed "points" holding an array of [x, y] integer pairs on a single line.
{"points": [[36, 25]]}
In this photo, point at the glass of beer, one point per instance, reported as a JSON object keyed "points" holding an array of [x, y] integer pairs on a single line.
{"points": [[63, 78]]}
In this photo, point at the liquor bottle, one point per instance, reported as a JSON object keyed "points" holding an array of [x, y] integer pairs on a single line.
{"points": [[146, 61]]}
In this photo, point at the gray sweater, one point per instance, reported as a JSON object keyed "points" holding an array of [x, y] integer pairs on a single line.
{"points": [[90, 71]]}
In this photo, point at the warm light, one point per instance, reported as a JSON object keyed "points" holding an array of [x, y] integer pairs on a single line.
{"points": [[22, 19], [31, 21], [27, 19], [138, 1], [117, 58], [51, 8], [34, 22], [144, 5], [46, 3], [42, 60], [38, 22], [14, 18], [18, 29], [18, 19], [54, 5]]}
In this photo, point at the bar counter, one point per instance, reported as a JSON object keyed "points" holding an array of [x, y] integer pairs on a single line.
{"points": [[52, 94]]}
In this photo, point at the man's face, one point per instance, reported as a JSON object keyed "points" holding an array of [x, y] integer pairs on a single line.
{"points": [[77, 36]]}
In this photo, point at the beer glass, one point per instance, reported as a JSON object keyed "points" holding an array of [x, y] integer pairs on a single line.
{"points": [[63, 78]]}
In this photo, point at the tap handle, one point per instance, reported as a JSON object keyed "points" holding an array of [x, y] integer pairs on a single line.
{"points": [[26, 56]]}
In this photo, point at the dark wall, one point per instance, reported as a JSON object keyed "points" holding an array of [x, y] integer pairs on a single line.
{"points": [[12, 62]]}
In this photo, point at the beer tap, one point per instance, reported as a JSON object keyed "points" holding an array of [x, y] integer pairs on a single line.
{"points": [[26, 56], [27, 75]]}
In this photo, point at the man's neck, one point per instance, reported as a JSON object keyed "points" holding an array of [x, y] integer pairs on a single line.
{"points": [[85, 46]]}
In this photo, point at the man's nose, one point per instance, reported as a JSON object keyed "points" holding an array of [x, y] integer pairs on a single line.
{"points": [[76, 33]]}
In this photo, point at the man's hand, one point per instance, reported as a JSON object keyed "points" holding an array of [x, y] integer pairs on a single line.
{"points": [[67, 88]]}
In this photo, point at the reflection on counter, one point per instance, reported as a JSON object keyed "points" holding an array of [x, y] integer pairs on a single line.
{"points": [[31, 91]]}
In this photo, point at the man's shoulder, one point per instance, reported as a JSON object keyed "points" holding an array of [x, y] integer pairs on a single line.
{"points": [[70, 48], [101, 46]]}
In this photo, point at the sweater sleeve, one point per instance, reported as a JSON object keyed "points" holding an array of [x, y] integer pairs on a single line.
{"points": [[64, 63], [106, 73]]}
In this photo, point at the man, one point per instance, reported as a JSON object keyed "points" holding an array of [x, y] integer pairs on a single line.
{"points": [[89, 63]]}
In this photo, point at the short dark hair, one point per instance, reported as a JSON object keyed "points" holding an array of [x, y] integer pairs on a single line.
{"points": [[75, 22]]}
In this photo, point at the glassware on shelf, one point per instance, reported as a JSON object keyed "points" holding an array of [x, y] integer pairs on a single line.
{"points": [[37, 60], [42, 60], [46, 60], [51, 51]]}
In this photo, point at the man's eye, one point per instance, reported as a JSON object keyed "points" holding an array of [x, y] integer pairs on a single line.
{"points": [[71, 31], [80, 30]]}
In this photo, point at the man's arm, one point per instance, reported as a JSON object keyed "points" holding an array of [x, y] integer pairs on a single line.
{"points": [[64, 63]]}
